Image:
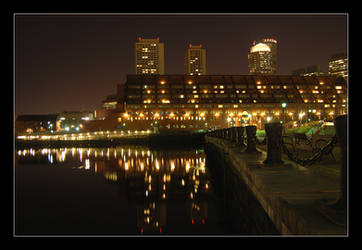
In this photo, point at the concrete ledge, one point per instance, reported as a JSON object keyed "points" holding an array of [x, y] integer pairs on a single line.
{"points": [[288, 193]]}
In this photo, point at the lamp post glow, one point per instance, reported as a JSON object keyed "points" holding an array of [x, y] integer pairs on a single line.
{"points": [[284, 105]]}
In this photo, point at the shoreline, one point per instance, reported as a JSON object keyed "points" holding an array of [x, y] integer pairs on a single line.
{"points": [[162, 140]]}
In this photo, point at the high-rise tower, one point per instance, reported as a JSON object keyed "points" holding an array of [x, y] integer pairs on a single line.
{"points": [[338, 65], [262, 57], [149, 57], [195, 60]]}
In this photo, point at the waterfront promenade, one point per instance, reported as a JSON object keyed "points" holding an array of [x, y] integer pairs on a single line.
{"points": [[289, 193]]}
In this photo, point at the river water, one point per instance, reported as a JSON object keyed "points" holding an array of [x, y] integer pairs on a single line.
{"points": [[130, 190]]}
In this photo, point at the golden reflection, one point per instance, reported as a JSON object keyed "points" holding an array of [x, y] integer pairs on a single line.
{"points": [[151, 177]]}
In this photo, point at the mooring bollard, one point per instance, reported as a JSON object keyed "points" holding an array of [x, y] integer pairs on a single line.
{"points": [[228, 135], [240, 136], [274, 143], [233, 133], [224, 130], [219, 133], [251, 138], [340, 124]]}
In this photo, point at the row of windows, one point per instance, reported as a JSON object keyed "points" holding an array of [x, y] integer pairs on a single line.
{"points": [[191, 85]]}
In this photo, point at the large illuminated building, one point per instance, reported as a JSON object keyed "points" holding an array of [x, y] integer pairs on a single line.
{"points": [[338, 65], [262, 57], [149, 56], [184, 102], [195, 60]]}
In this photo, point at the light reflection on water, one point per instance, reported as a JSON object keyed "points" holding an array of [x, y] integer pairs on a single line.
{"points": [[152, 178]]}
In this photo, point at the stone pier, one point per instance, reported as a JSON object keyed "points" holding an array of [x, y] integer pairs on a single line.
{"points": [[287, 193]]}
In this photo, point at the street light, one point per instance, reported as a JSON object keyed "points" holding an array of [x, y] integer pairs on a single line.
{"points": [[284, 105]]}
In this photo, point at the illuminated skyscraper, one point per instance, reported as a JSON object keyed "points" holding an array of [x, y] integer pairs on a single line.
{"points": [[338, 65], [149, 57], [195, 60], [263, 57]]}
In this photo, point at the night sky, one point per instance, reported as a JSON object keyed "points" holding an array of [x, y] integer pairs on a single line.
{"points": [[72, 62]]}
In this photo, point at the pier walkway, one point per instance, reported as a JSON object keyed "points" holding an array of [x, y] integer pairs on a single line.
{"points": [[289, 193]]}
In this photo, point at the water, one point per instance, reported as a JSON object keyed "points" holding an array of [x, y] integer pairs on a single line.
{"points": [[116, 191]]}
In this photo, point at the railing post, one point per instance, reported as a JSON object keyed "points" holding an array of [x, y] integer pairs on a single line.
{"points": [[251, 138], [274, 143]]}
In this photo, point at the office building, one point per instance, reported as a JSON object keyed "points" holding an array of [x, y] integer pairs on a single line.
{"points": [[338, 65], [262, 58], [195, 60], [149, 57]]}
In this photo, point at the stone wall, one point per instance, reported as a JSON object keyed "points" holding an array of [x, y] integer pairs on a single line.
{"points": [[244, 212]]}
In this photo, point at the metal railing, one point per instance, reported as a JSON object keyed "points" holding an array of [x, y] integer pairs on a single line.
{"points": [[292, 148]]}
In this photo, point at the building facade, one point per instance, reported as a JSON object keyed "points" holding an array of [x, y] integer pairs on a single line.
{"points": [[183, 102], [338, 65], [73, 121], [195, 60], [314, 70], [35, 123], [149, 56], [262, 58]]}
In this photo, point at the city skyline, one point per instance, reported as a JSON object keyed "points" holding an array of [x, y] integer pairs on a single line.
{"points": [[73, 62]]}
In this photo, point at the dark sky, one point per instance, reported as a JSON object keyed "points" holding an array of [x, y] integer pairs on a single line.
{"points": [[72, 62]]}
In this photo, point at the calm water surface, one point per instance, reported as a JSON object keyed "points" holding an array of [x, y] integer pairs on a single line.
{"points": [[115, 191]]}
